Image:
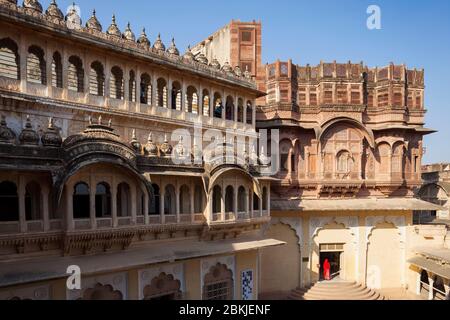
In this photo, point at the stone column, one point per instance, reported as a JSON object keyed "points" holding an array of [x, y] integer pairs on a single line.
{"points": [[236, 104], [430, 291], [146, 200], [235, 203], [418, 283], [45, 213], [169, 93], [222, 205], [133, 205], [115, 221], [154, 91], [92, 190], [23, 53], [22, 215], [192, 199], [161, 204], [211, 103], [70, 225], [251, 203], [177, 204]]}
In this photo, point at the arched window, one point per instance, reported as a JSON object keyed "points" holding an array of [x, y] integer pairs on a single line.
{"points": [[36, 67], [161, 93], [198, 199], [255, 201], [154, 206], [123, 200], [176, 96], [132, 87], [185, 200], [229, 108], [218, 283], [33, 201], [75, 74], [102, 200], [344, 162], [265, 199], [146, 89], [217, 199], [97, 79], [397, 159], [240, 115], [9, 202], [205, 103], [218, 106], [116, 83], [249, 111], [192, 100], [9, 59], [242, 198], [57, 77], [81, 202], [229, 199], [170, 200], [384, 151]]}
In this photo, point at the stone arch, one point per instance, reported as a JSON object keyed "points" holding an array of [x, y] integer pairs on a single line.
{"points": [[9, 202], [161, 92], [229, 199], [366, 132], [75, 74], [229, 108], [163, 287], [177, 96], [242, 199], [217, 199], [36, 65], [249, 112], [217, 105], [123, 200], [240, 114], [10, 59], [185, 199], [33, 202], [97, 79], [81, 200], [101, 292], [132, 86], [384, 256], [57, 72], [192, 100], [206, 102], [218, 283], [169, 200], [277, 280], [146, 89], [102, 200], [116, 83]]}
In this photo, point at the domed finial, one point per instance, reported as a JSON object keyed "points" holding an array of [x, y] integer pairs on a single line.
{"points": [[110, 123], [99, 120], [159, 45], [188, 55], [93, 23], [128, 33], [50, 122], [173, 48], [113, 30], [150, 137], [54, 12], [143, 40]]}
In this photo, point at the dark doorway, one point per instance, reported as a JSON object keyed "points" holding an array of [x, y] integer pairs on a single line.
{"points": [[334, 258]]}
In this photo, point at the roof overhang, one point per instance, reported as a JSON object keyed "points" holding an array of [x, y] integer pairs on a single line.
{"points": [[369, 204], [14, 272]]}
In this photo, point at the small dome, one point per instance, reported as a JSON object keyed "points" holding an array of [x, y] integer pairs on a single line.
{"points": [[28, 136], [159, 45], [113, 30], [6, 134], [227, 68], [173, 48], [165, 148], [128, 34], [54, 12], [150, 148], [73, 19], [93, 23], [215, 64], [51, 137], [188, 55], [32, 5], [143, 40], [135, 143], [202, 59]]}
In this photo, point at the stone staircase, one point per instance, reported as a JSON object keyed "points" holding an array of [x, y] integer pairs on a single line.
{"points": [[341, 290]]}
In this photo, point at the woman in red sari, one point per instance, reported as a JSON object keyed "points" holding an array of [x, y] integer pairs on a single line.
{"points": [[326, 269]]}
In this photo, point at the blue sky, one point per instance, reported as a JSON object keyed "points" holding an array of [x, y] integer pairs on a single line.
{"points": [[416, 33]]}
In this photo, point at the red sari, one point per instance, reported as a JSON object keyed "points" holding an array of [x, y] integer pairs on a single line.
{"points": [[326, 270]]}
